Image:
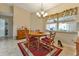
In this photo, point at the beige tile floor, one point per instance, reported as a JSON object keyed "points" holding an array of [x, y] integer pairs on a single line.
{"points": [[68, 51], [8, 47]]}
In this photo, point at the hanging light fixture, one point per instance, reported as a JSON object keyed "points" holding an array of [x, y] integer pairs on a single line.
{"points": [[42, 13]]}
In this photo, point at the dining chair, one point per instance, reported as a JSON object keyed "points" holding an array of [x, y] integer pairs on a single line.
{"points": [[49, 40], [52, 35], [31, 41]]}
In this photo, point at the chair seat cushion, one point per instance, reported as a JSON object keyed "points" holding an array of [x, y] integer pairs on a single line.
{"points": [[46, 40], [33, 39]]}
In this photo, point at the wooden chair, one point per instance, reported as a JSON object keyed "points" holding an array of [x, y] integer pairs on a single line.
{"points": [[49, 41], [52, 36], [31, 40]]}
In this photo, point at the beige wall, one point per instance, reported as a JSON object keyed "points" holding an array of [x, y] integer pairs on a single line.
{"points": [[21, 18], [37, 23], [5, 9], [68, 39], [24, 18]]}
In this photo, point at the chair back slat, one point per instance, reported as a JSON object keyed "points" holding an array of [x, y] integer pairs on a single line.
{"points": [[27, 36], [52, 35]]}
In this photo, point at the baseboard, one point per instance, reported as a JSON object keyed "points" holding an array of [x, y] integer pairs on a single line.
{"points": [[14, 37], [68, 45]]}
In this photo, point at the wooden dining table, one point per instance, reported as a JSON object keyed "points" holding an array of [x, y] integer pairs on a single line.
{"points": [[38, 35]]}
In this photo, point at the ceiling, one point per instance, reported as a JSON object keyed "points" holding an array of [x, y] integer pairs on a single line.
{"points": [[33, 7]]}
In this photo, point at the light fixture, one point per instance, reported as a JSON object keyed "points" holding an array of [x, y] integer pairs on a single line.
{"points": [[42, 13]]}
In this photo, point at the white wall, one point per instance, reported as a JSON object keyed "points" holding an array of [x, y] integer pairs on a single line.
{"points": [[21, 18]]}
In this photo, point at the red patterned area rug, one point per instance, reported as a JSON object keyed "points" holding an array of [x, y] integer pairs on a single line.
{"points": [[42, 51]]}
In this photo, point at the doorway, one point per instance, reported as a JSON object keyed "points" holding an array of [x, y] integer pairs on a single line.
{"points": [[2, 27], [6, 26]]}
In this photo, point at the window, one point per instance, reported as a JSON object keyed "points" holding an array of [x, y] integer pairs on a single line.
{"points": [[63, 24], [51, 24], [63, 27]]}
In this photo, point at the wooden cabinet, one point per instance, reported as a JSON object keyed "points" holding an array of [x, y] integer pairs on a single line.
{"points": [[77, 47], [20, 34]]}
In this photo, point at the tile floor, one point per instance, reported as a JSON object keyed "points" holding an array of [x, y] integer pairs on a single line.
{"points": [[68, 51], [8, 47]]}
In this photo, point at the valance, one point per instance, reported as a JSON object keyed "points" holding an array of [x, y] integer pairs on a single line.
{"points": [[68, 12]]}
